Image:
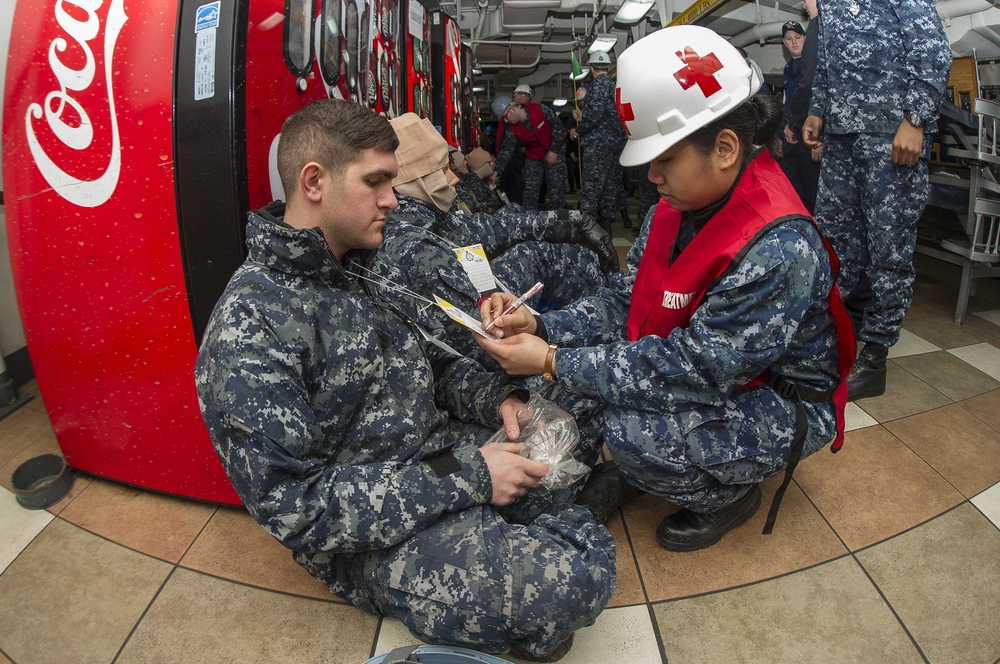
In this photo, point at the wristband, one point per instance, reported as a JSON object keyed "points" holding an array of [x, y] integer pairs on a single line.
{"points": [[549, 368]]}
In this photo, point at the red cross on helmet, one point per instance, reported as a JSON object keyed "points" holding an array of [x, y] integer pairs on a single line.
{"points": [[698, 78]]}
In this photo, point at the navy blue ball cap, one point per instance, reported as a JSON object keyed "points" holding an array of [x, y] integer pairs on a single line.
{"points": [[795, 26]]}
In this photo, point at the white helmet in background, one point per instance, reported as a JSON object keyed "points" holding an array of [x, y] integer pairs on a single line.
{"points": [[599, 59], [698, 78]]}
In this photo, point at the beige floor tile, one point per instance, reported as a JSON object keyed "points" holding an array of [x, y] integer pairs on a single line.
{"points": [[856, 418], [36, 403], [992, 316], [910, 344], [905, 395], [980, 327], [19, 429], [18, 526], [826, 615], [986, 407], [72, 596], [874, 488], [233, 546], [943, 580], [156, 524], [988, 502], [951, 376], [955, 443], [628, 588], [942, 332], [984, 357], [193, 611], [800, 539]]}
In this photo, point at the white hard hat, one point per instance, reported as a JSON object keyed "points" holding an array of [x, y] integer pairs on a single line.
{"points": [[698, 78], [524, 87], [599, 59]]}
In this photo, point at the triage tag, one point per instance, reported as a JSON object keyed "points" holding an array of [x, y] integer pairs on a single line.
{"points": [[461, 317], [477, 267]]}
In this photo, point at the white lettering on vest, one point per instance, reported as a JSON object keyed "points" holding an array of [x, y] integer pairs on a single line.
{"points": [[85, 193], [676, 300]]}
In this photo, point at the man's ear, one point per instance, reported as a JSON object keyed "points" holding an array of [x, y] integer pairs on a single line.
{"points": [[727, 149], [311, 179]]}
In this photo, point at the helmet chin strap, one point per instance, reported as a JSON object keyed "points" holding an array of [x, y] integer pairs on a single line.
{"points": [[756, 77]]}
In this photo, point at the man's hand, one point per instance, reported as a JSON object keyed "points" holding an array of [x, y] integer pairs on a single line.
{"points": [[816, 154], [509, 409], [516, 322], [551, 158], [518, 354], [512, 475], [790, 135], [577, 114], [810, 131], [907, 144]]}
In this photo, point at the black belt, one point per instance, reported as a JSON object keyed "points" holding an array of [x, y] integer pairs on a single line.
{"points": [[801, 394]]}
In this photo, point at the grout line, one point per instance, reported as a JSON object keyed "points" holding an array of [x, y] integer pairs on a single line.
{"points": [[142, 616], [889, 605]]}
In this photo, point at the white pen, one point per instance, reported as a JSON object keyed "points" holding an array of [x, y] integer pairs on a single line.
{"points": [[534, 290]]}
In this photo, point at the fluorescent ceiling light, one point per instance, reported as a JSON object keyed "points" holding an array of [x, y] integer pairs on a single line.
{"points": [[558, 102], [584, 71], [603, 43], [476, 71], [478, 88], [633, 11]]}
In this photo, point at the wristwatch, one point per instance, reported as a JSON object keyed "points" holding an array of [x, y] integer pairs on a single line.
{"points": [[549, 369], [914, 118]]}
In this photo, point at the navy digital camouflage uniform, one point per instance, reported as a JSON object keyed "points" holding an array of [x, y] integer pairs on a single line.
{"points": [[418, 252], [536, 169], [602, 138], [483, 199], [419, 242], [872, 64], [677, 424], [356, 445]]}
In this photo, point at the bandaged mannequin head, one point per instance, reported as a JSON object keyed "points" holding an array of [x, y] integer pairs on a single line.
{"points": [[422, 157], [458, 165], [480, 162]]}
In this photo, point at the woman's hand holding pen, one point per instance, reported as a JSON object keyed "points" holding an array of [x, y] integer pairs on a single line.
{"points": [[519, 355], [518, 321]]}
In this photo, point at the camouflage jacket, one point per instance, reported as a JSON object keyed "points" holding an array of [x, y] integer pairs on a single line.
{"points": [[340, 428], [768, 312], [599, 125], [876, 59]]}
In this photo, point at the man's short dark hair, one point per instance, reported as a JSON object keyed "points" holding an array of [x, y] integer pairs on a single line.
{"points": [[332, 132]]}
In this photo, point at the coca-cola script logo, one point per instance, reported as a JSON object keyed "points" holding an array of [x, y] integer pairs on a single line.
{"points": [[59, 105]]}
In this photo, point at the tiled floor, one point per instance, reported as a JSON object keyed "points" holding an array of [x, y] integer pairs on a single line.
{"points": [[886, 552]]}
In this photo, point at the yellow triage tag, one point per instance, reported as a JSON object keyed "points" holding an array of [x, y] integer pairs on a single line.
{"points": [[473, 260], [461, 317]]}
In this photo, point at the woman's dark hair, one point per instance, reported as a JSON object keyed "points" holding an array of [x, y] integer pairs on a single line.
{"points": [[754, 122]]}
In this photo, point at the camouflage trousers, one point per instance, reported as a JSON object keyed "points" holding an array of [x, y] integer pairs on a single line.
{"points": [[477, 580], [868, 208], [555, 182], [704, 458], [602, 188]]}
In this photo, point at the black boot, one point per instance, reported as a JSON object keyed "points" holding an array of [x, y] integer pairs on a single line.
{"points": [[867, 378], [605, 491], [690, 531], [626, 220]]}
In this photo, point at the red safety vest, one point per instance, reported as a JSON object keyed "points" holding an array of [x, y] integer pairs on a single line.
{"points": [[536, 140], [665, 294]]}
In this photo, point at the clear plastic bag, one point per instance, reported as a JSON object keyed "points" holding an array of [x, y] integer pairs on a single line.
{"points": [[549, 435]]}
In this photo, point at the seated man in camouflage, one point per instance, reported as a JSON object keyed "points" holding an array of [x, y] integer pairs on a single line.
{"points": [[477, 178], [424, 233], [360, 446]]}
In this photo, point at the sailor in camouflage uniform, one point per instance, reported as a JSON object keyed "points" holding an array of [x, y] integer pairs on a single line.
{"points": [[537, 128], [881, 73], [358, 445], [602, 138], [721, 351], [423, 234]]}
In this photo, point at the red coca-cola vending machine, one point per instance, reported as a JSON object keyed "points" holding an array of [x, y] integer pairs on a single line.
{"points": [[137, 136], [446, 76], [418, 58], [470, 107]]}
